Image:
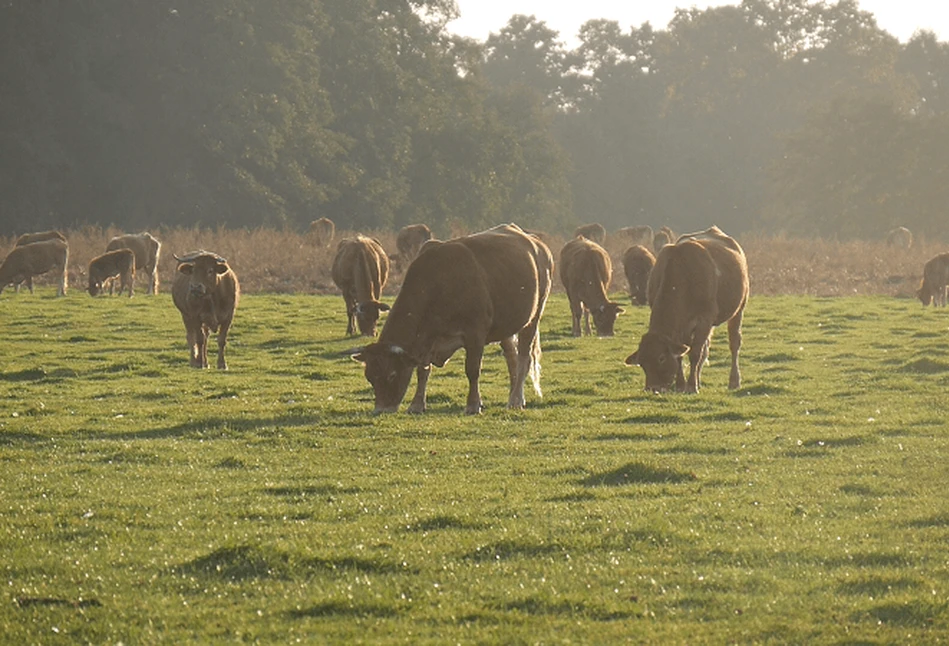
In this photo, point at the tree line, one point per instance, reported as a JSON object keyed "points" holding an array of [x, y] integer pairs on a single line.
{"points": [[771, 115]]}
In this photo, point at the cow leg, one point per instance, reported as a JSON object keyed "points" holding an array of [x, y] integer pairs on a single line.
{"points": [[29, 283], [586, 320], [221, 344], [734, 345], [473, 356], [576, 308], [680, 376], [203, 333], [510, 347], [697, 354], [350, 314], [418, 402]]}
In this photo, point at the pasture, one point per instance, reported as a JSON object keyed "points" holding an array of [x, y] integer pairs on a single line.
{"points": [[143, 501]]}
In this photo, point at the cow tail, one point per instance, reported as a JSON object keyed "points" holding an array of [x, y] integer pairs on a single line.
{"points": [[534, 370]]}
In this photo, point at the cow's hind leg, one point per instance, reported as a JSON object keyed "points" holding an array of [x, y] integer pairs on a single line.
{"points": [[221, 344], [528, 363], [697, 355], [473, 355], [734, 345], [418, 402]]}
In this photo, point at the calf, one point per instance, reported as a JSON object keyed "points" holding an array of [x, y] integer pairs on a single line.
{"points": [[699, 282], [935, 279], [206, 292], [638, 262], [586, 271], [112, 264], [360, 270], [464, 293], [321, 232], [34, 259]]}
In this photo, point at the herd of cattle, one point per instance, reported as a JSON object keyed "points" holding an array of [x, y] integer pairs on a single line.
{"points": [[467, 292]]}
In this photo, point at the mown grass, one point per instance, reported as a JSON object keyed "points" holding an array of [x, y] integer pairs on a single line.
{"points": [[143, 501]]}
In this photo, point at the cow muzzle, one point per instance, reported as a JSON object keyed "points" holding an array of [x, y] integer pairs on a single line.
{"points": [[198, 289]]}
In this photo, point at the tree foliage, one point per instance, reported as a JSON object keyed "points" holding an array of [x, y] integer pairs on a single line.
{"points": [[794, 115]]}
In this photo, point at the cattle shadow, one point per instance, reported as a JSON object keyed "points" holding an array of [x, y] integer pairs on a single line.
{"points": [[343, 609], [636, 473], [216, 426]]}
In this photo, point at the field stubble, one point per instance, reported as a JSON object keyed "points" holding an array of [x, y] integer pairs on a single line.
{"points": [[283, 261], [144, 501]]}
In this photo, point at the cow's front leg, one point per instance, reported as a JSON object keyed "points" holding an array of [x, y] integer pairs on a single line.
{"points": [[221, 344], [473, 355], [698, 352], [734, 345], [576, 311], [418, 402], [29, 283], [203, 333]]}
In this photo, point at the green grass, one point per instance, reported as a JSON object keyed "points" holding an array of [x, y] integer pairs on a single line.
{"points": [[143, 501]]}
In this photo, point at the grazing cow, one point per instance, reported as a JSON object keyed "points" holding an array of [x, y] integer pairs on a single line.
{"points": [[360, 270], [112, 264], [322, 232], [147, 250], [641, 234], [594, 232], [464, 293], [660, 240], [638, 262], [206, 292], [586, 271], [409, 242], [34, 259], [699, 282], [30, 238], [935, 280], [899, 237]]}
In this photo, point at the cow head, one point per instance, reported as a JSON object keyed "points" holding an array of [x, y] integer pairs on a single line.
{"points": [[604, 317], [367, 313], [389, 370], [95, 284], [924, 295], [660, 358], [204, 269]]}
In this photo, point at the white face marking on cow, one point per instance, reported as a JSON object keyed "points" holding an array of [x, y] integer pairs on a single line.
{"points": [[395, 349]]}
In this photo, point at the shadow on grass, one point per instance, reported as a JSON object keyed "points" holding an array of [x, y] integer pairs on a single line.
{"points": [[303, 492], [636, 473], [10, 438], [218, 426], [504, 550], [442, 522], [878, 586], [915, 614]]}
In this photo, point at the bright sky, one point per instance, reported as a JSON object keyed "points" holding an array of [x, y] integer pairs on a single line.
{"points": [[481, 17]]}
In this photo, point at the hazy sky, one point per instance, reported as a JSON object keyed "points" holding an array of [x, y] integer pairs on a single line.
{"points": [[481, 17]]}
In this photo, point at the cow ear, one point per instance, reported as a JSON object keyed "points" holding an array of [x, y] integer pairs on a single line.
{"points": [[679, 349], [221, 267], [186, 268], [633, 359], [616, 306], [359, 357], [383, 307]]}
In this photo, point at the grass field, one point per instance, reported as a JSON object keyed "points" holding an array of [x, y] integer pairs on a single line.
{"points": [[146, 502]]}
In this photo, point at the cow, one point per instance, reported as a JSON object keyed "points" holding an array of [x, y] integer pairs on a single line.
{"points": [[641, 234], [112, 264], [360, 270], [30, 238], [409, 242], [661, 239], [638, 262], [206, 292], [699, 282], [899, 237], [464, 293], [34, 259], [321, 232], [147, 250], [593, 231], [586, 271], [935, 280]]}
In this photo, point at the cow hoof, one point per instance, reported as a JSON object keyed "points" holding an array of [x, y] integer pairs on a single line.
{"points": [[415, 410], [473, 410]]}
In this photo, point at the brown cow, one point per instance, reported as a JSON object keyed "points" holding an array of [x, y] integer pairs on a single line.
{"points": [[147, 250], [594, 231], [699, 282], [638, 262], [661, 239], [640, 234], [935, 280], [586, 271], [409, 242], [464, 293], [34, 259], [899, 237], [360, 270], [206, 292], [321, 232], [30, 238], [112, 264]]}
